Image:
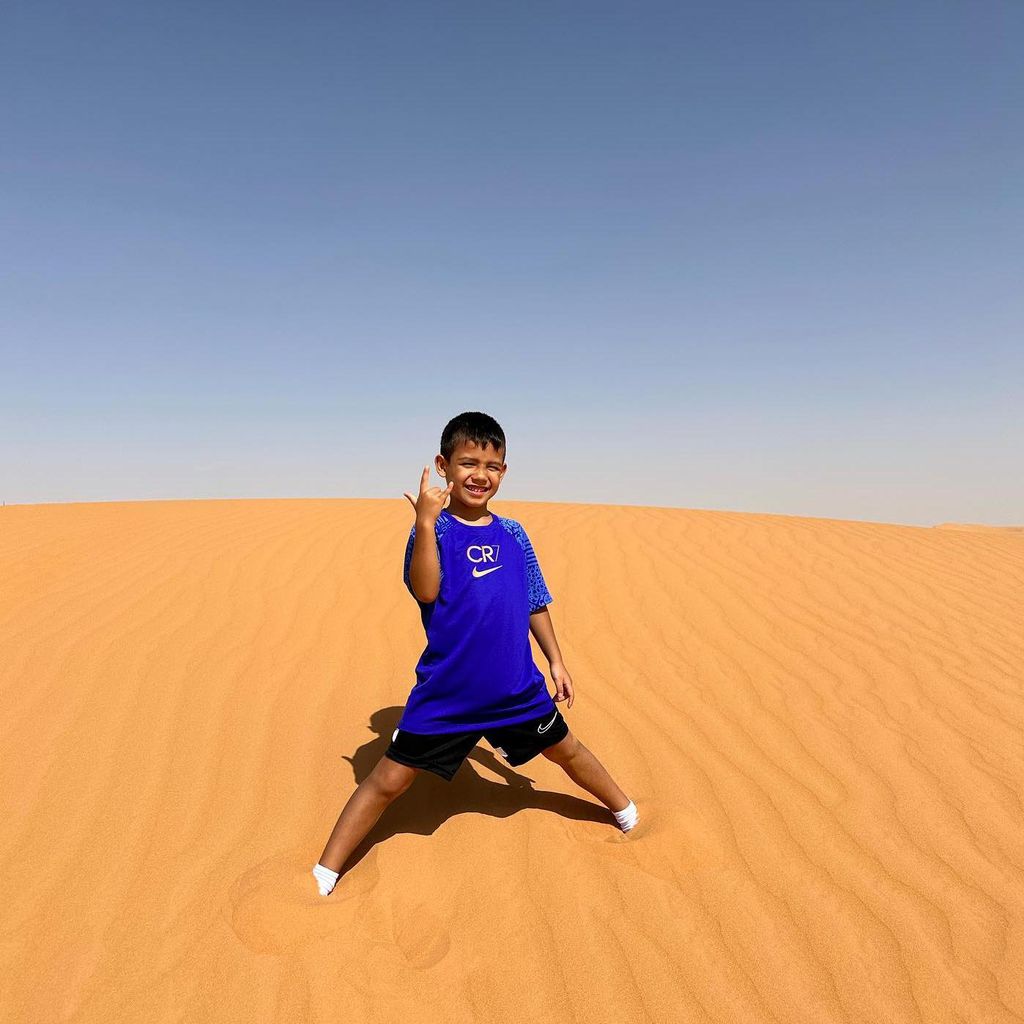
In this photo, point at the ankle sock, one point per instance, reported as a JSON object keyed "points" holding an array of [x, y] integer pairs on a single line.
{"points": [[627, 817], [326, 879]]}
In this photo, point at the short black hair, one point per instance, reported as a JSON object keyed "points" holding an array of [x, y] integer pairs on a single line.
{"points": [[478, 427]]}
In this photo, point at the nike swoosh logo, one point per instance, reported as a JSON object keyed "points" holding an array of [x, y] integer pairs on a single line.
{"points": [[483, 572], [544, 728]]}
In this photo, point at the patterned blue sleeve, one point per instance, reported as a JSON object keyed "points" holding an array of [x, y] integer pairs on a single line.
{"points": [[538, 590], [408, 563]]}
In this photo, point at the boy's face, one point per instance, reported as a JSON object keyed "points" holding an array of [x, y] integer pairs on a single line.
{"points": [[472, 467]]}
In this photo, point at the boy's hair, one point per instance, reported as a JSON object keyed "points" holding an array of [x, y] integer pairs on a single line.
{"points": [[472, 426]]}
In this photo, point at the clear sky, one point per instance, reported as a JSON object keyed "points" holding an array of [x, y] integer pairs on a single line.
{"points": [[730, 255]]}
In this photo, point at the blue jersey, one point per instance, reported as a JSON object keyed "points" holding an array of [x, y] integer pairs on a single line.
{"points": [[477, 670]]}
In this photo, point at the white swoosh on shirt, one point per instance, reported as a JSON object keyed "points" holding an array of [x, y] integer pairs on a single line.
{"points": [[483, 572]]}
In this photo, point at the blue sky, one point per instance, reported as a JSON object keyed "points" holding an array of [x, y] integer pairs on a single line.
{"points": [[733, 255]]}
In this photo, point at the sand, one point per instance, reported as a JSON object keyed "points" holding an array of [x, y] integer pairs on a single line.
{"points": [[820, 721]]}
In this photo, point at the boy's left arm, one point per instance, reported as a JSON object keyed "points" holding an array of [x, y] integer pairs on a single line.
{"points": [[543, 631]]}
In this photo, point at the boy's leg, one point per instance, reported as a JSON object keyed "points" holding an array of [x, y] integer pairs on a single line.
{"points": [[388, 780], [586, 771]]}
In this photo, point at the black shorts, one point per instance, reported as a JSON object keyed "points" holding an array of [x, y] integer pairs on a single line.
{"points": [[444, 753]]}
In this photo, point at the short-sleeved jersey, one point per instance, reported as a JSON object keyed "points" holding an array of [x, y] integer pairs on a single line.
{"points": [[477, 670]]}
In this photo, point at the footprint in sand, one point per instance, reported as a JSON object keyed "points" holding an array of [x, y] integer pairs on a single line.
{"points": [[276, 905], [421, 937]]}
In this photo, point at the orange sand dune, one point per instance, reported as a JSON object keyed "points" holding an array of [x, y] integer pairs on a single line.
{"points": [[821, 721]]}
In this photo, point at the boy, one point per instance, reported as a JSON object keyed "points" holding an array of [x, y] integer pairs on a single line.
{"points": [[480, 592]]}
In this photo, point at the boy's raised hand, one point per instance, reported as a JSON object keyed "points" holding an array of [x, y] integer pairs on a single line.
{"points": [[431, 499]]}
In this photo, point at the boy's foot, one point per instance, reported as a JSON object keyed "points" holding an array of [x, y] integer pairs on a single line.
{"points": [[627, 817], [326, 879]]}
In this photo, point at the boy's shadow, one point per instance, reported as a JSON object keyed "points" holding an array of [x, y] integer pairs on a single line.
{"points": [[430, 800]]}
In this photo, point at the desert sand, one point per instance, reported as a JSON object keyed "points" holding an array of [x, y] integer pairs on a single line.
{"points": [[821, 722]]}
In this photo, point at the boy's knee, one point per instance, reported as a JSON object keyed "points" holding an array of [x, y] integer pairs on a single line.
{"points": [[391, 778], [562, 751]]}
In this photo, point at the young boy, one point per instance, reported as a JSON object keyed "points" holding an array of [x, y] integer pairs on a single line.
{"points": [[480, 592]]}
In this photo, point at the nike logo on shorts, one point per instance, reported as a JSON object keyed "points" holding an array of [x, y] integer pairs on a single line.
{"points": [[544, 728]]}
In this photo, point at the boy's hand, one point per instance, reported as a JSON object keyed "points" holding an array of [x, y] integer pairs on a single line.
{"points": [[563, 684], [431, 499]]}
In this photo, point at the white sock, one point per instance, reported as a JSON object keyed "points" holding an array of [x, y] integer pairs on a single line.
{"points": [[627, 817], [325, 878]]}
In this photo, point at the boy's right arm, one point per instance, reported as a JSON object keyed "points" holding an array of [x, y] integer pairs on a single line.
{"points": [[424, 567]]}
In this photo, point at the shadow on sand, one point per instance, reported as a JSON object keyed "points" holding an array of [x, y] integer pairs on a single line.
{"points": [[430, 800]]}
